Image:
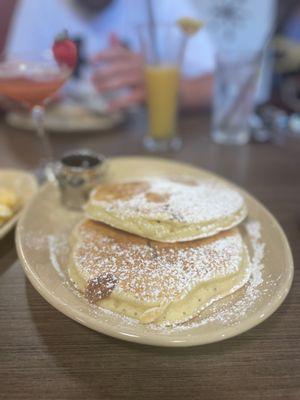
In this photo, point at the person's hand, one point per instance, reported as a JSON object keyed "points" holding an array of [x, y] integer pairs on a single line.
{"points": [[119, 68]]}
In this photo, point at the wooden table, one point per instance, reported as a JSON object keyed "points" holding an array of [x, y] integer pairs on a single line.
{"points": [[44, 355]]}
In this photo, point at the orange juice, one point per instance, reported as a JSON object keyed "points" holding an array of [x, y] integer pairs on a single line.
{"points": [[162, 90]]}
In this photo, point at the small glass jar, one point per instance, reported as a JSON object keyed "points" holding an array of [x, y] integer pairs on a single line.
{"points": [[77, 173]]}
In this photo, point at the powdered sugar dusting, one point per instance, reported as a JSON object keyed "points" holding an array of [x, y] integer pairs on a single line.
{"points": [[167, 199], [152, 271], [56, 245], [228, 311], [254, 231], [231, 310]]}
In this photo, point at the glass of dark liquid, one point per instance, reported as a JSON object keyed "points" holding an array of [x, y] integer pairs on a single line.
{"points": [[77, 173]]}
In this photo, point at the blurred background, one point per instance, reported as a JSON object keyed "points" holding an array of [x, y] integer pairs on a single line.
{"points": [[108, 80]]}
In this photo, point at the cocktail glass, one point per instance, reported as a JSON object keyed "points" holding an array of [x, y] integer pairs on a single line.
{"points": [[30, 80]]}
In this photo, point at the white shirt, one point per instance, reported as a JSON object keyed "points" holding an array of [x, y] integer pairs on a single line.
{"points": [[37, 22], [241, 26]]}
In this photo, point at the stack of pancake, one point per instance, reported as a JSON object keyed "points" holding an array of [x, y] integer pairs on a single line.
{"points": [[160, 249]]}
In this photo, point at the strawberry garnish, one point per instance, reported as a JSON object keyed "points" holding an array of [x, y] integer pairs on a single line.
{"points": [[65, 50]]}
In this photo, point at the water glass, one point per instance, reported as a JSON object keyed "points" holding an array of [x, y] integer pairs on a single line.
{"points": [[236, 77]]}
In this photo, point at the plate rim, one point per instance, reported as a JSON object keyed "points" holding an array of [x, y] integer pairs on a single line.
{"points": [[158, 340]]}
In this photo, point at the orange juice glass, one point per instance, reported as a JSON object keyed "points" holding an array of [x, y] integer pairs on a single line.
{"points": [[161, 45]]}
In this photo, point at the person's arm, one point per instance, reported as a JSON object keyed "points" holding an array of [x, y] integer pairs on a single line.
{"points": [[28, 33], [196, 92], [122, 68]]}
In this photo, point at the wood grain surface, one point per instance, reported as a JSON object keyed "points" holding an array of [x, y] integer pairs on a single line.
{"points": [[44, 355]]}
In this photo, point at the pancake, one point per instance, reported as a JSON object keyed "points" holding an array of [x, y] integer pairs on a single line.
{"points": [[151, 281], [167, 209]]}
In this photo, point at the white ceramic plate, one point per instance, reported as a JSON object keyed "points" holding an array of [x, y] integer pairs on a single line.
{"points": [[68, 120], [42, 243]]}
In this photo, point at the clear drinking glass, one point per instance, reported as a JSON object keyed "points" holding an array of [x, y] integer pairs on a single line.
{"points": [[29, 80], [163, 48], [236, 77]]}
